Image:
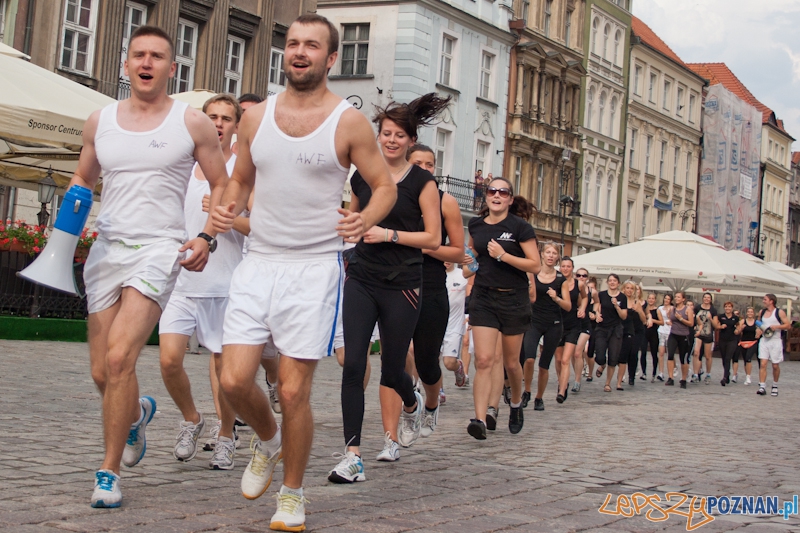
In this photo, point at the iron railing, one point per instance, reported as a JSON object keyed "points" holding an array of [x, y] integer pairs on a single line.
{"points": [[123, 89], [470, 197]]}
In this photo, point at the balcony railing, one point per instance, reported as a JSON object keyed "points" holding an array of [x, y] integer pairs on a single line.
{"points": [[123, 89], [470, 197]]}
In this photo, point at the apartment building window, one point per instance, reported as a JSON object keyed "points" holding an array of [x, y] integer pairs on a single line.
{"points": [[487, 60], [628, 222], [648, 148], [277, 75], [645, 214], [692, 100], [770, 150], [617, 39], [601, 112], [659, 220], [662, 159], [665, 96], [442, 136], [782, 160], [481, 150], [598, 188], [539, 185], [548, 8], [3, 8], [186, 55], [233, 65], [595, 26], [609, 188], [651, 91], [637, 79], [589, 107], [526, 6], [779, 207], [77, 47], [135, 16], [517, 173], [606, 34], [568, 28], [672, 221], [445, 68], [679, 102], [613, 122], [355, 49], [632, 144], [688, 168], [675, 164]]}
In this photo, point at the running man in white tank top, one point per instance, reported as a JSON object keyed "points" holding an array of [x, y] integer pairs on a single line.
{"points": [[198, 304], [145, 147], [294, 150], [770, 347]]}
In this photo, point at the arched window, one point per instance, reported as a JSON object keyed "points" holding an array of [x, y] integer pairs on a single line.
{"points": [[606, 32], [610, 186], [612, 124], [598, 187], [601, 112], [595, 26], [589, 107], [587, 178], [617, 37]]}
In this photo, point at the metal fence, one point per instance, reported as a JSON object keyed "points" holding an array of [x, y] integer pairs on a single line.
{"points": [[19, 297], [470, 197]]}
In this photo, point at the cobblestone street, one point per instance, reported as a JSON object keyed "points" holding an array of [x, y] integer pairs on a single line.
{"points": [[552, 477]]}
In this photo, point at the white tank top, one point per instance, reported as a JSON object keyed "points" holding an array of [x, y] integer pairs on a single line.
{"points": [[299, 184], [145, 175], [772, 321], [215, 279]]}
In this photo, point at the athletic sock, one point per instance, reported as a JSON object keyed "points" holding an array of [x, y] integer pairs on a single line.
{"points": [[295, 492], [272, 445], [515, 406], [764, 385], [429, 410]]}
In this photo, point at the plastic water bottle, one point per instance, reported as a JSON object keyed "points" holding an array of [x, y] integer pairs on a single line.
{"points": [[473, 267]]}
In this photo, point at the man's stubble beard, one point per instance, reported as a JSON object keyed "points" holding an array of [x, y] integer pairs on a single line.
{"points": [[310, 82]]}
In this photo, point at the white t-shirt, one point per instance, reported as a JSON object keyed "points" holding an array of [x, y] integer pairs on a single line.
{"points": [[457, 294], [667, 326], [215, 279]]}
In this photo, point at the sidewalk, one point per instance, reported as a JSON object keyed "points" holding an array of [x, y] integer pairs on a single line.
{"points": [[552, 477]]}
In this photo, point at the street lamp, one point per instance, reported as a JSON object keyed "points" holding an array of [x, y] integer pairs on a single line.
{"points": [[47, 189], [686, 214], [564, 199]]}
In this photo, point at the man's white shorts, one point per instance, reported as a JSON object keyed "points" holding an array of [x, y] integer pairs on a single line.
{"points": [[289, 302], [184, 314], [771, 349], [451, 347], [151, 269]]}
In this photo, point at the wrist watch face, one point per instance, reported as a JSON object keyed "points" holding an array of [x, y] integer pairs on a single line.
{"points": [[212, 246], [395, 236]]}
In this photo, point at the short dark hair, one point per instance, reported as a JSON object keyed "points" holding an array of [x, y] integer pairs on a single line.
{"points": [[250, 97], [420, 148], [155, 31], [772, 297], [333, 33], [225, 98]]}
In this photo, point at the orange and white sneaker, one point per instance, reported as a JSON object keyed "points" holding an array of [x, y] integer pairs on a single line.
{"points": [[291, 513]]}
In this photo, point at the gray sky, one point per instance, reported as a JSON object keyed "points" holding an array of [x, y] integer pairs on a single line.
{"points": [[759, 40]]}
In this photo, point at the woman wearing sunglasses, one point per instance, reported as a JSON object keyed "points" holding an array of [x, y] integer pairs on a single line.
{"points": [[610, 310], [505, 245], [588, 294], [384, 279], [572, 327]]}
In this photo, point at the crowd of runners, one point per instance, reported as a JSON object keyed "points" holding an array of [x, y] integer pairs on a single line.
{"points": [[247, 245]]}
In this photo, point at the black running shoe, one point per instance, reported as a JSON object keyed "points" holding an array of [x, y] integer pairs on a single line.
{"points": [[491, 419], [477, 429], [526, 397], [670, 382], [559, 398], [538, 404], [683, 383], [515, 420]]}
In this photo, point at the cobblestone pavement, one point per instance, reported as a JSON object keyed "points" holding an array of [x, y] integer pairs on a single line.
{"points": [[552, 477]]}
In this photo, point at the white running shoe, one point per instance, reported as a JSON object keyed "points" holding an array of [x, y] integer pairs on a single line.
{"points": [[212, 441], [224, 451], [733, 378], [675, 373], [272, 394], [585, 371], [106, 493], [429, 421], [747, 380], [258, 474], [410, 424], [291, 513], [442, 397], [391, 451], [136, 445], [186, 441], [461, 377], [349, 470]]}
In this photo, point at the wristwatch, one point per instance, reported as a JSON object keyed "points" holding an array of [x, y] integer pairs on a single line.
{"points": [[212, 242], [395, 236]]}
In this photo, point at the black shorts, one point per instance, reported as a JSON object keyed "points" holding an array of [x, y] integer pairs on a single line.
{"points": [[586, 325], [571, 334], [506, 311], [706, 339]]}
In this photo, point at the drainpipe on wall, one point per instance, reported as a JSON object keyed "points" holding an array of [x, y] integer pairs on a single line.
{"points": [[26, 47]]}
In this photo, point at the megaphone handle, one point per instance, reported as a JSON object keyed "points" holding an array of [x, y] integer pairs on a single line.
{"points": [[77, 206]]}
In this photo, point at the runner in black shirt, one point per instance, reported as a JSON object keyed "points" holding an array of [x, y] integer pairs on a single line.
{"points": [[572, 327], [505, 245], [654, 321], [728, 340], [610, 309], [748, 344], [705, 324], [584, 310], [632, 336]]}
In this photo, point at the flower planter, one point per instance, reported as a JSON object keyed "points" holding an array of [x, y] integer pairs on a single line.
{"points": [[14, 247]]}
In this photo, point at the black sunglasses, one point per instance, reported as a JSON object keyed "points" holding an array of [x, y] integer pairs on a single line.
{"points": [[503, 192], [581, 275]]}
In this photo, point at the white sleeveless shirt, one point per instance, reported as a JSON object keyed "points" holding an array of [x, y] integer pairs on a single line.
{"points": [[772, 321], [145, 175], [298, 187], [215, 279]]}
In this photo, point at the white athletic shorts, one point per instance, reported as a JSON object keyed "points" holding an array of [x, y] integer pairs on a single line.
{"points": [[185, 314], [151, 269], [289, 301], [663, 338], [451, 347], [771, 349]]}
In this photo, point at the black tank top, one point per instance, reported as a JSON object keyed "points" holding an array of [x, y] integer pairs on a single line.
{"points": [[654, 316], [545, 310], [638, 327], [571, 318], [749, 332], [434, 275]]}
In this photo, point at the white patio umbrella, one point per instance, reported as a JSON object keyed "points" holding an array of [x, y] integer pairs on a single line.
{"points": [[13, 52], [786, 270], [679, 260], [195, 98]]}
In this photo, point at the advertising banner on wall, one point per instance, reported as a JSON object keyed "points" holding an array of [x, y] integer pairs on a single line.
{"points": [[729, 188]]}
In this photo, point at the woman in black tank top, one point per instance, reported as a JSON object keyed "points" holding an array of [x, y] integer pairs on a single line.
{"points": [[748, 345], [579, 358], [654, 320], [572, 329]]}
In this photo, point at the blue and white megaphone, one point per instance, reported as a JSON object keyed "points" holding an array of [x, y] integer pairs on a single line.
{"points": [[53, 267]]}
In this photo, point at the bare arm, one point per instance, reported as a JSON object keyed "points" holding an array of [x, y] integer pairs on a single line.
{"points": [[453, 251], [660, 320], [530, 263], [785, 323], [88, 171], [429, 238]]}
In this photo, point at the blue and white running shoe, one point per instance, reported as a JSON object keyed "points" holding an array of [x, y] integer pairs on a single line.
{"points": [[106, 490], [136, 445]]}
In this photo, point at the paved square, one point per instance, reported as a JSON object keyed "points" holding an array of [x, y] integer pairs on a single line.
{"points": [[552, 477]]}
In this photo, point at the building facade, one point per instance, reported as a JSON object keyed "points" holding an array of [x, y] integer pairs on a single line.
{"points": [[607, 31], [794, 213], [542, 146], [398, 51], [768, 238], [659, 182]]}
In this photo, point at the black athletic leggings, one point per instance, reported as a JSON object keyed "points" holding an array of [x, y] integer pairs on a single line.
{"points": [[396, 312], [681, 344], [608, 342], [638, 342], [727, 348], [429, 335], [552, 334], [650, 341]]}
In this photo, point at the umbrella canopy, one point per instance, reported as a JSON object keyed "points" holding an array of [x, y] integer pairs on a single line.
{"points": [[39, 108], [786, 270], [13, 52], [195, 98], [679, 260]]}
